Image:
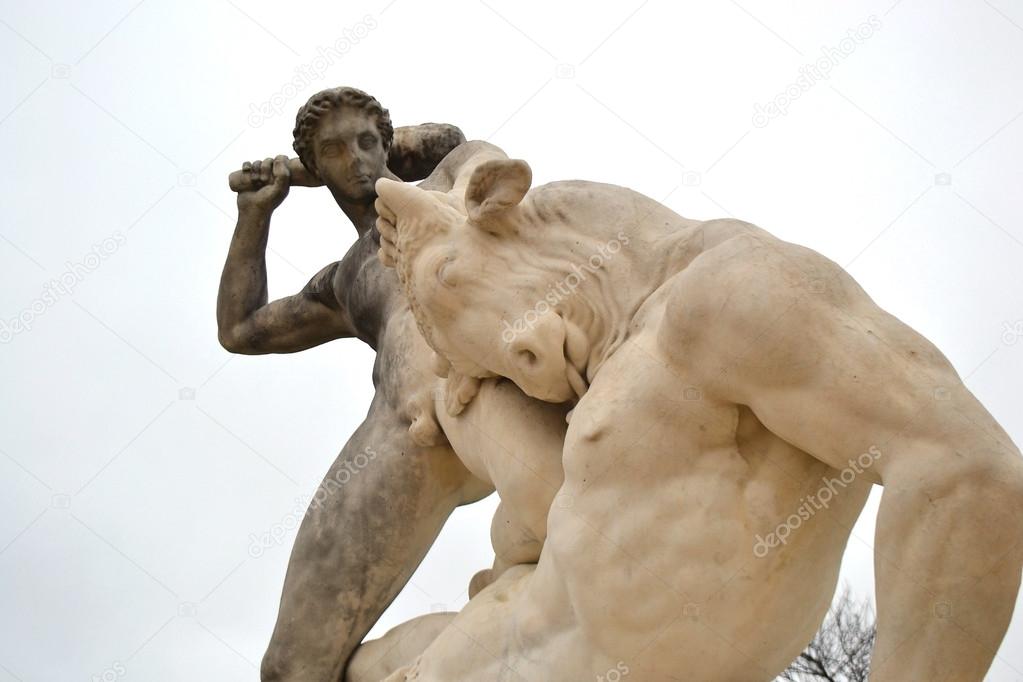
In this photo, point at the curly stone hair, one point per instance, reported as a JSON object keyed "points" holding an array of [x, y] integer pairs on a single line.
{"points": [[309, 116]]}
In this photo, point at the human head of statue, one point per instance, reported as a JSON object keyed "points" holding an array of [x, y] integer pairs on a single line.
{"points": [[342, 135]]}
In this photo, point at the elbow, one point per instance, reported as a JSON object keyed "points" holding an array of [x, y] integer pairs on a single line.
{"points": [[233, 342], [998, 485], [985, 480], [455, 135], [229, 341], [1002, 483]]}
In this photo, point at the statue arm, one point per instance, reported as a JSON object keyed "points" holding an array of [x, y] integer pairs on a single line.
{"points": [[247, 323], [414, 153], [829, 371], [416, 150]]}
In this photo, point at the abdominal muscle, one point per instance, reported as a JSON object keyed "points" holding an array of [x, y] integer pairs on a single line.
{"points": [[683, 600], [649, 559]]}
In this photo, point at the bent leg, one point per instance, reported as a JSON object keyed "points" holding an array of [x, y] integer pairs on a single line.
{"points": [[371, 521]]}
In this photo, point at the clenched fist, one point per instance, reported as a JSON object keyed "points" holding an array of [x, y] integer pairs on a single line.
{"points": [[270, 181]]}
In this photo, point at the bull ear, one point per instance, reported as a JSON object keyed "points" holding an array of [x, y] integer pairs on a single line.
{"points": [[495, 187]]}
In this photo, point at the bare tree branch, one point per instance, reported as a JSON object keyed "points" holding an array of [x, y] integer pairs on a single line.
{"points": [[840, 651]]}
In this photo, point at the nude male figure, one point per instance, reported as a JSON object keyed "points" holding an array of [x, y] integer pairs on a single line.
{"points": [[722, 379], [360, 541]]}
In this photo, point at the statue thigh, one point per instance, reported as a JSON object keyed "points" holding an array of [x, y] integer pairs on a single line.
{"points": [[371, 521]]}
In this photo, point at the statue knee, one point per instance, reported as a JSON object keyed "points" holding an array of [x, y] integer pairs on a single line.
{"points": [[286, 662], [270, 668], [275, 666]]}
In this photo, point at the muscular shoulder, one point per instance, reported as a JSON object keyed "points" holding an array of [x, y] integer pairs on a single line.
{"points": [[763, 311], [753, 289], [747, 274]]}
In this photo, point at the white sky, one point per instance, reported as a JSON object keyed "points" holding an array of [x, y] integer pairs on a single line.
{"points": [[126, 507]]}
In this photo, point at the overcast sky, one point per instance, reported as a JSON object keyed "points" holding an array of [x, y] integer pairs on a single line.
{"points": [[138, 459]]}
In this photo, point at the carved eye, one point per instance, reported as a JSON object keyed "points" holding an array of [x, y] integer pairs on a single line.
{"points": [[367, 141]]}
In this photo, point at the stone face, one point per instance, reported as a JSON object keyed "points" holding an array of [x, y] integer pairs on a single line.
{"points": [[734, 398]]}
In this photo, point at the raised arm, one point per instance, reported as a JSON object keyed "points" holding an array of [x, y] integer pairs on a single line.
{"points": [[416, 150], [825, 368], [246, 321]]}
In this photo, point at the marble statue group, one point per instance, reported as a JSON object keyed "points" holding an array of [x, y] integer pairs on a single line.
{"points": [[682, 420]]}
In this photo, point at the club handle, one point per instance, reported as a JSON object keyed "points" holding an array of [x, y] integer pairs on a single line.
{"points": [[240, 181]]}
